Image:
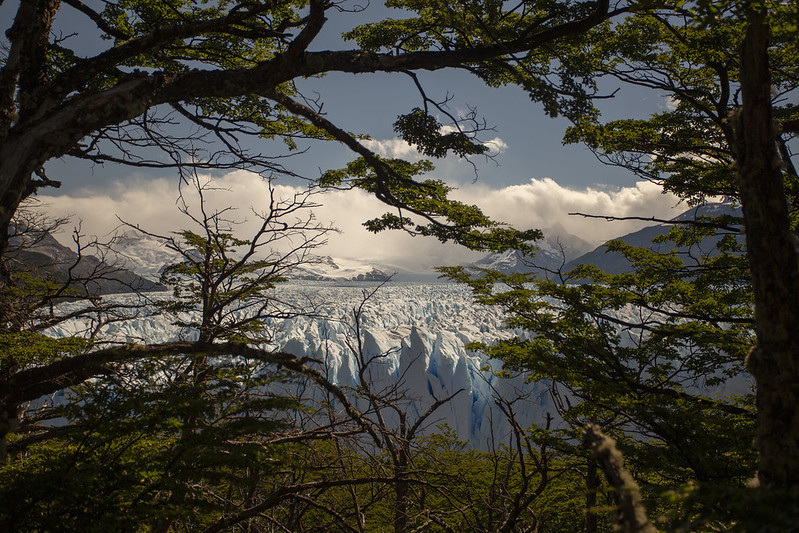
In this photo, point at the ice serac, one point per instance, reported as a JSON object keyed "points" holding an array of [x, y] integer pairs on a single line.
{"points": [[413, 346]]}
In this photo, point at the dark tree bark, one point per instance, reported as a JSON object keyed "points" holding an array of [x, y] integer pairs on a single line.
{"points": [[592, 487], [42, 119], [771, 246]]}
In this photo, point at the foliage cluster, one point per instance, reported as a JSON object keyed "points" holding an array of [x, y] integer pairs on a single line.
{"points": [[213, 432]]}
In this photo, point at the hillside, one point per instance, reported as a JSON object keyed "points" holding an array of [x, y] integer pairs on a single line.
{"points": [[42, 255]]}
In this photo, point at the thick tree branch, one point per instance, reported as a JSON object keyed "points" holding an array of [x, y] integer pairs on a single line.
{"points": [[74, 78], [129, 98], [698, 223], [56, 129], [632, 513], [97, 19]]}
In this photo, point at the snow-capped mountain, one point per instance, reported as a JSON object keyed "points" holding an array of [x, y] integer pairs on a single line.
{"points": [[40, 253], [557, 247], [329, 269], [148, 256], [144, 254]]}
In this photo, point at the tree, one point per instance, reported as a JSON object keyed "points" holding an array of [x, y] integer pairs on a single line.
{"points": [[772, 252], [730, 135], [188, 433], [640, 354], [729, 70], [227, 69], [231, 280]]}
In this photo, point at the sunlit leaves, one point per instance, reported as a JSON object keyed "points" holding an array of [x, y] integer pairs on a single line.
{"points": [[423, 207], [690, 57], [638, 350], [212, 287], [424, 131], [28, 348]]}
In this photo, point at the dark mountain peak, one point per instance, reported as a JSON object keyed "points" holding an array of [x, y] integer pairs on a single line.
{"points": [[710, 210], [614, 263], [579, 251], [39, 253], [556, 246]]}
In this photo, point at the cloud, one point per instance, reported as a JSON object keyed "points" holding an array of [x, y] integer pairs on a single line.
{"points": [[542, 203], [496, 146], [398, 148], [152, 204], [671, 102], [394, 148], [538, 204]]}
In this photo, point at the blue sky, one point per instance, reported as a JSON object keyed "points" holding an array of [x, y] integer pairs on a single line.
{"points": [[371, 103], [534, 180]]}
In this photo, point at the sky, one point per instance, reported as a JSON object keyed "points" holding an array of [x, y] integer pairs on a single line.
{"points": [[538, 203], [532, 181]]}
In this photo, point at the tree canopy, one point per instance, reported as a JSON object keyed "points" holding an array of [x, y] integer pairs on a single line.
{"points": [[728, 69], [187, 86], [227, 71]]}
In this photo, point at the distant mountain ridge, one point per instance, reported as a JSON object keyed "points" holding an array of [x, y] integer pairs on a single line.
{"points": [[549, 258], [137, 260], [615, 263], [557, 248], [148, 256], [40, 254], [329, 269]]}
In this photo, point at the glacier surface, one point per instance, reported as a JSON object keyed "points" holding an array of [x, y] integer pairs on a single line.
{"points": [[413, 340]]}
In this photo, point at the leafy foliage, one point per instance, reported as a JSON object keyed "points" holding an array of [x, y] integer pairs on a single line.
{"points": [[688, 148], [642, 353], [424, 131], [146, 446], [447, 220], [25, 349]]}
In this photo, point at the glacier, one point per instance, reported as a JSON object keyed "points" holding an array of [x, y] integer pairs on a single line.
{"points": [[414, 339]]}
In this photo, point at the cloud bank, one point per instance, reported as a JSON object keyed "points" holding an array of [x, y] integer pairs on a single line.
{"points": [[543, 203], [537, 204]]}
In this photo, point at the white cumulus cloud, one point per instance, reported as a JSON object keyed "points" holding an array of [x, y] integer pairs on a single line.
{"points": [[398, 148], [394, 148], [540, 203]]}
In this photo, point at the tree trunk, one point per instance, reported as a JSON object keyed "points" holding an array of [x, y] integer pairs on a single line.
{"points": [[591, 486], [9, 422], [15, 176], [774, 362], [402, 493]]}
